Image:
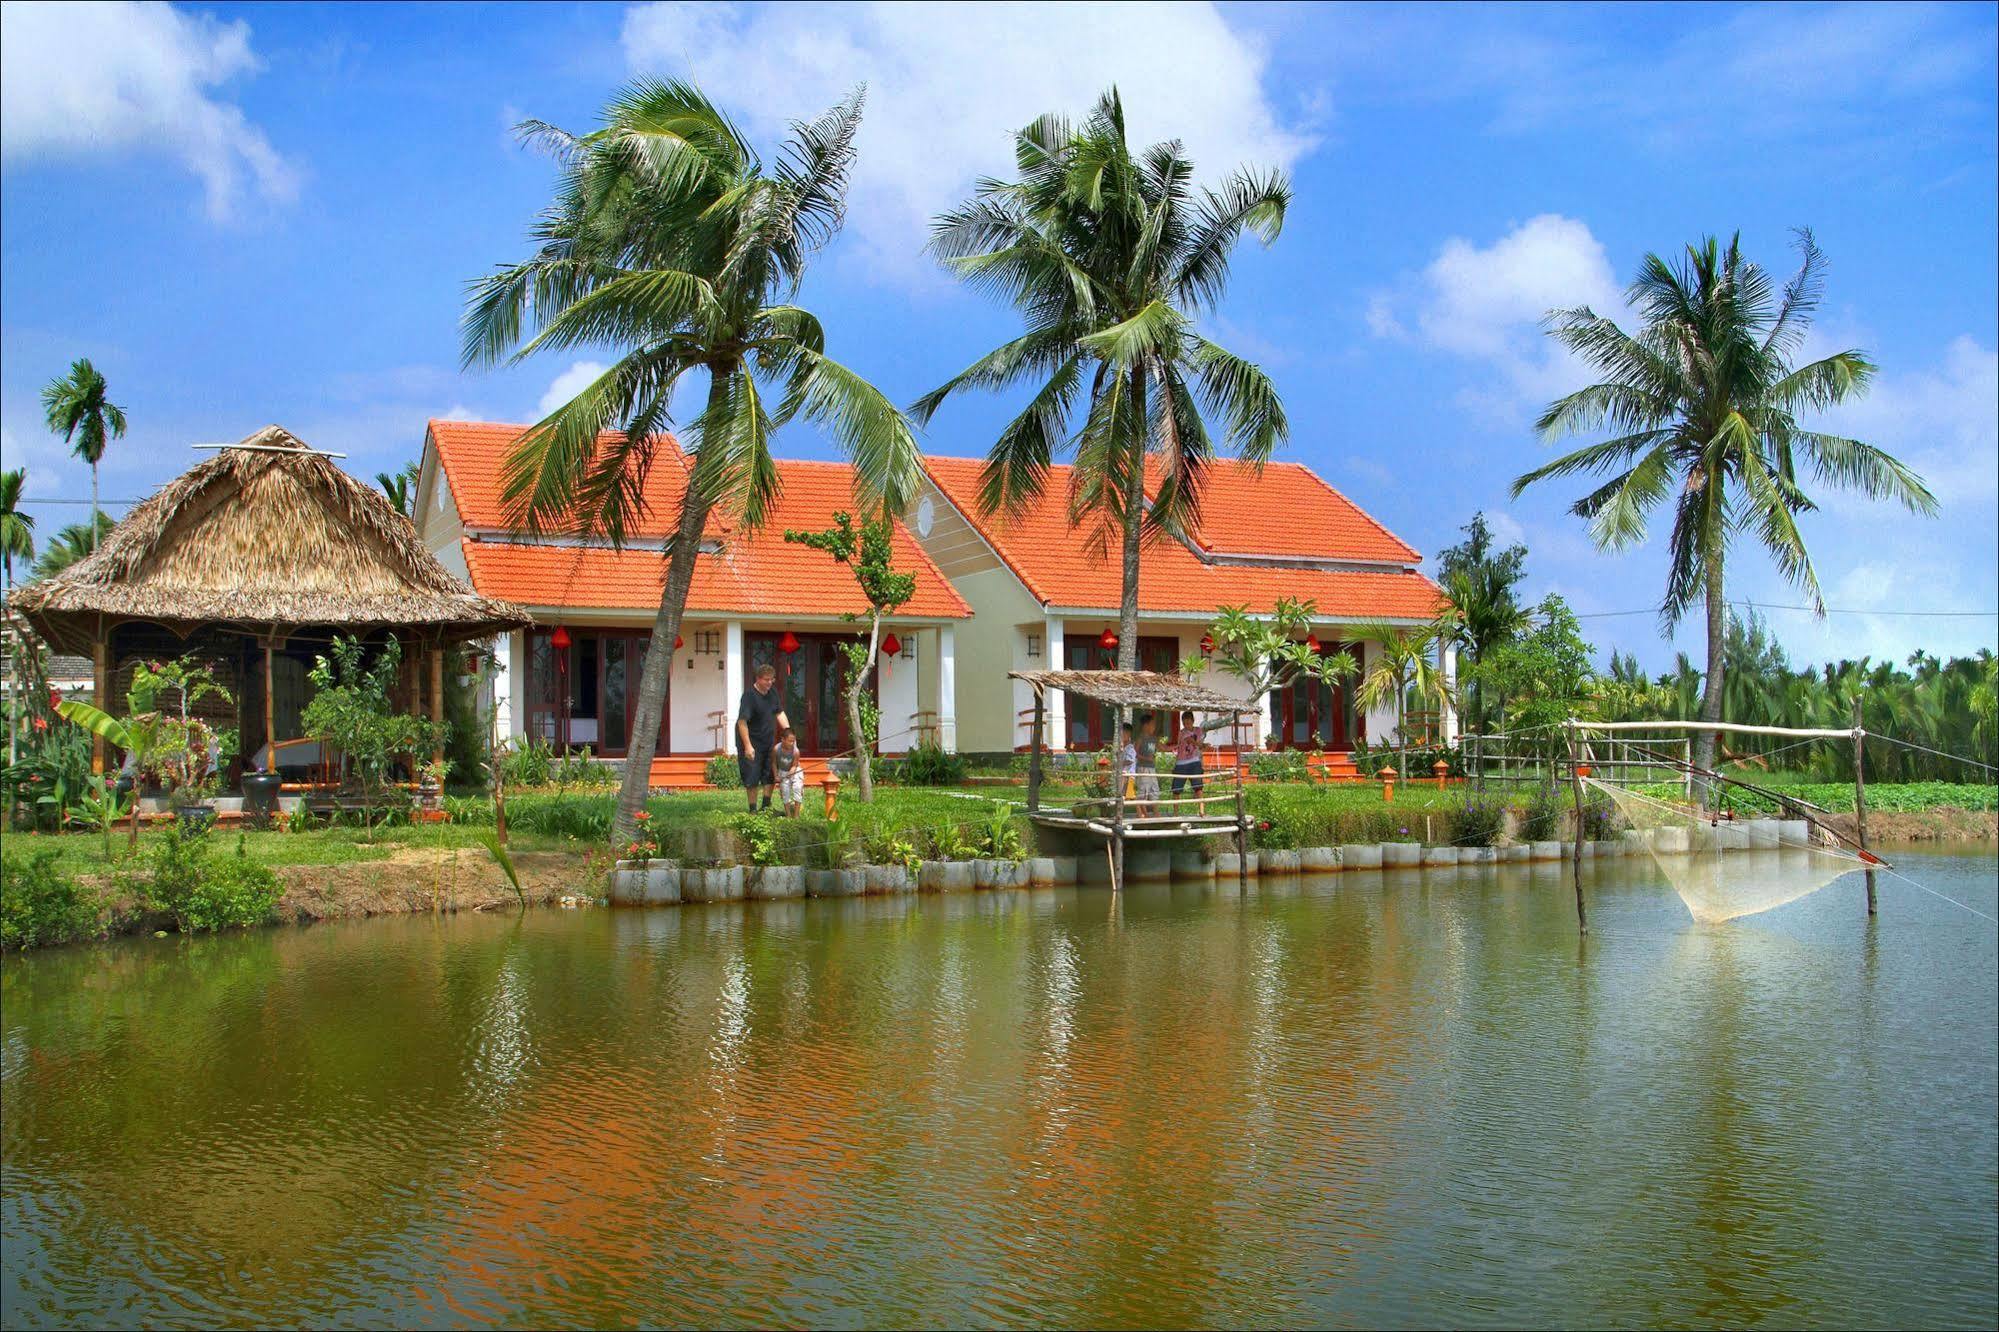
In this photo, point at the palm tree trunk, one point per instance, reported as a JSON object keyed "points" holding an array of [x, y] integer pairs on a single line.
{"points": [[93, 506], [864, 780], [1134, 526], [651, 703], [1717, 641]]}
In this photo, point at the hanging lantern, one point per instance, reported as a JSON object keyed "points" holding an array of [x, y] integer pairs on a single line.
{"points": [[678, 642], [559, 640], [1312, 642], [892, 646], [788, 644], [1208, 645], [1107, 641]]}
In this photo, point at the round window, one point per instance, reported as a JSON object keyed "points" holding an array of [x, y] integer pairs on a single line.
{"points": [[926, 514]]}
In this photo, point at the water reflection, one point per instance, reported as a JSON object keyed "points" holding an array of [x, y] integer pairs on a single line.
{"points": [[1400, 1097]]}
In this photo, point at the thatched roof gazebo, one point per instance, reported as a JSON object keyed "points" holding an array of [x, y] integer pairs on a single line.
{"points": [[267, 546]]}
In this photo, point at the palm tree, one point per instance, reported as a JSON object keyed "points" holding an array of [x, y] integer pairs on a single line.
{"points": [[1404, 664], [1703, 402], [671, 239], [17, 541], [1108, 255], [400, 487], [79, 410], [69, 545]]}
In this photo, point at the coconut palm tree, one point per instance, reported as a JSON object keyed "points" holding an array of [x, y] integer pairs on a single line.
{"points": [[71, 544], [78, 409], [400, 487], [1703, 401], [673, 241], [1108, 255]]}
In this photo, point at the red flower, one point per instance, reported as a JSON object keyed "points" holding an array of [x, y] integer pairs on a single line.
{"points": [[1263, 826], [55, 699], [643, 814]]}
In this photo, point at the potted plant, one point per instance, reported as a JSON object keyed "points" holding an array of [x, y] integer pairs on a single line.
{"points": [[260, 795]]}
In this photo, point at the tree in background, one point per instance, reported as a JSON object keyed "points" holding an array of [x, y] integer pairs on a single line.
{"points": [[400, 487], [868, 549], [1108, 255], [1702, 401], [1480, 581], [671, 239], [71, 544], [17, 541], [1539, 679], [77, 407], [353, 712]]}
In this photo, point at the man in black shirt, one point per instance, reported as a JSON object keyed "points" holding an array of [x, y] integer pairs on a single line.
{"points": [[759, 717]]}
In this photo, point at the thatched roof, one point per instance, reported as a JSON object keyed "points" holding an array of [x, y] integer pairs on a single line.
{"points": [[1135, 689], [266, 534]]}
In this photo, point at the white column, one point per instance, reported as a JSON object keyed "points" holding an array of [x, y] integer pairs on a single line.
{"points": [[503, 684], [1448, 722], [947, 688], [732, 681], [1058, 721]]}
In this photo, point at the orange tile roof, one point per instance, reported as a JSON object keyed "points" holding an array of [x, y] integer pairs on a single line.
{"points": [[752, 574], [474, 455], [1048, 555], [1287, 510]]}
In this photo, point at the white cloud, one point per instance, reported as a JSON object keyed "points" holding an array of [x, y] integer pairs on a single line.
{"points": [[568, 384], [458, 411], [86, 79], [1486, 303], [1943, 421], [948, 86]]}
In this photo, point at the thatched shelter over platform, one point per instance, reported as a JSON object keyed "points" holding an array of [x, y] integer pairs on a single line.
{"points": [[267, 546]]}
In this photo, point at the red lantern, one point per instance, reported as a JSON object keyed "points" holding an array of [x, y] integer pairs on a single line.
{"points": [[1107, 641], [559, 640], [788, 644], [892, 646], [677, 642], [1312, 642], [1207, 643]]}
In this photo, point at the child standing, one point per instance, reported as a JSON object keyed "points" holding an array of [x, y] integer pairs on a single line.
{"points": [[1146, 768], [1187, 759], [790, 774]]}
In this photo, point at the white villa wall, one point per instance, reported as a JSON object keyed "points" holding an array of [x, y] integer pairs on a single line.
{"points": [[696, 687], [896, 694], [991, 643]]}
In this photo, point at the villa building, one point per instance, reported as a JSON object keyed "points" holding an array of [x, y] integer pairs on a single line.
{"points": [[992, 595]]}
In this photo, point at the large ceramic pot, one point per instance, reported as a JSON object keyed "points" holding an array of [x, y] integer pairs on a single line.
{"points": [[195, 815], [260, 796]]}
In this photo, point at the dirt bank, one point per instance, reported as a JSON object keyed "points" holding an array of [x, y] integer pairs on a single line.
{"points": [[1940, 824], [430, 879]]}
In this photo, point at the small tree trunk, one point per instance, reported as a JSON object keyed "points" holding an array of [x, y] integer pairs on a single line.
{"points": [[864, 781], [1717, 640], [651, 703]]}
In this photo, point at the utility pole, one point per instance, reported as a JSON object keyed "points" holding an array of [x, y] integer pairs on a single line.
{"points": [[1860, 799]]}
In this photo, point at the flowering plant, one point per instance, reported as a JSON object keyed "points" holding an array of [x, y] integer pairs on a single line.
{"points": [[645, 841]]}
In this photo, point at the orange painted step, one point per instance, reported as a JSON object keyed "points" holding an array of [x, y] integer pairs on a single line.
{"points": [[689, 772]]}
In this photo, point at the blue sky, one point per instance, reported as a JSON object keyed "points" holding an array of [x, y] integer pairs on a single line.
{"points": [[247, 214]]}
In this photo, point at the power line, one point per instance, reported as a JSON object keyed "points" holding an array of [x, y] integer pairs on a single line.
{"points": [[1829, 610]]}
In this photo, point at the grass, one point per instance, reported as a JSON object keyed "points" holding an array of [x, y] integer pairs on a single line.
{"points": [[930, 819]]}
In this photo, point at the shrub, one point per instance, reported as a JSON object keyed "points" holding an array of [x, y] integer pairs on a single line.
{"points": [[40, 906], [1542, 821], [201, 893], [1477, 820], [579, 767], [929, 765], [1002, 835], [1284, 765], [723, 774], [529, 761], [759, 836]]}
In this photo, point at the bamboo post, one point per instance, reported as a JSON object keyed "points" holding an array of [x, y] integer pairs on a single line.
{"points": [[1117, 802], [1034, 755], [1860, 800], [437, 699], [1241, 838], [100, 681], [270, 704], [1576, 852]]}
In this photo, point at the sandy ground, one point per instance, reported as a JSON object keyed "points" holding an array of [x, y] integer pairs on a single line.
{"points": [[1924, 825]]}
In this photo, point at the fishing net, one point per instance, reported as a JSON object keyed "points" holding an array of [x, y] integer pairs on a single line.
{"points": [[1722, 867]]}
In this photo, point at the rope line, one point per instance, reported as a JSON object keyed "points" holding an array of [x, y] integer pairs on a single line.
{"points": [[1910, 744]]}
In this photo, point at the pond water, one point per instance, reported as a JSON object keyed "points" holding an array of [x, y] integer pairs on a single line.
{"points": [[1367, 1099]]}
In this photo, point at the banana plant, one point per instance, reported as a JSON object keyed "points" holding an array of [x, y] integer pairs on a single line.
{"points": [[102, 806], [140, 737]]}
